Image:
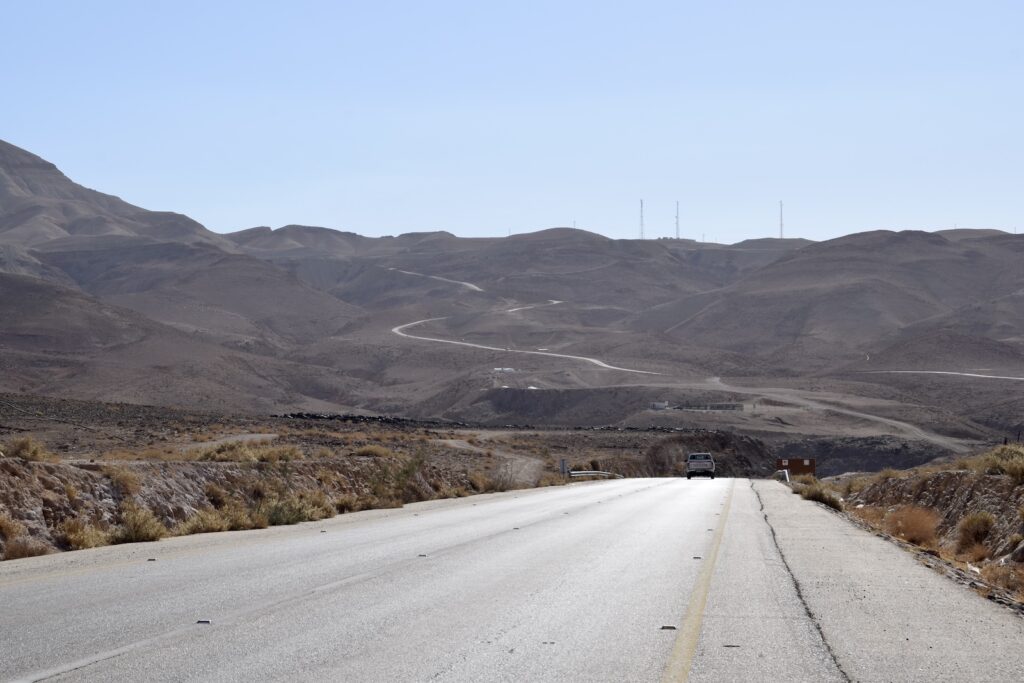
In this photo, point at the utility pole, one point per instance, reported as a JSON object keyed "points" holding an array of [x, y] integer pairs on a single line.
{"points": [[641, 219], [677, 219]]}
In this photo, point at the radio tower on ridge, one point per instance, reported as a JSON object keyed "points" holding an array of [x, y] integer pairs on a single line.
{"points": [[641, 219], [677, 219], [780, 220]]}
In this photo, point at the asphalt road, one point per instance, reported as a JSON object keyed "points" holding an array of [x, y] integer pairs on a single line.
{"points": [[630, 580]]}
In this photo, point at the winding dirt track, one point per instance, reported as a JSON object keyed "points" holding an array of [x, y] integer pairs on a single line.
{"points": [[791, 396], [400, 331]]}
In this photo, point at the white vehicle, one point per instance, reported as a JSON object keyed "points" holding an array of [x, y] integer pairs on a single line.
{"points": [[700, 465]]}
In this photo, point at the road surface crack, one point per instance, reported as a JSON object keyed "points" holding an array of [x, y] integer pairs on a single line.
{"points": [[799, 591]]}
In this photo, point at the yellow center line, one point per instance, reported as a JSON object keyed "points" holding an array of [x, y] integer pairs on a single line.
{"points": [[685, 649]]}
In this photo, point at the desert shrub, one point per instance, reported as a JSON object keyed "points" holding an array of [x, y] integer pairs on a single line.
{"points": [[347, 503], [138, 525], [822, 495], [1005, 576], [410, 484], [78, 534], [975, 553], [217, 496], [293, 509], [71, 492], [125, 481], [1005, 460], [10, 528], [274, 454], [27, 448], [232, 451], [870, 514], [239, 517], [550, 479], [916, 525], [202, 522], [974, 529], [806, 479], [319, 506], [887, 474], [373, 451], [285, 511], [854, 485], [23, 546]]}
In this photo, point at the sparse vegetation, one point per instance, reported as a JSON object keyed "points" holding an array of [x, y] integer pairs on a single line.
{"points": [[305, 506], [78, 533], [974, 529], [204, 521], [251, 451], [10, 528], [914, 524], [887, 474], [373, 451], [820, 494], [27, 448], [138, 525], [23, 546], [1007, 577], [1003, 460], [125, 481]]}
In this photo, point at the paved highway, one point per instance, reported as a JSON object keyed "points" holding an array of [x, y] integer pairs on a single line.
{"points": [[638, 580]]}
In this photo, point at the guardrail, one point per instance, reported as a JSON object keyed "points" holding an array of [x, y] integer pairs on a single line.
{"points": [[593, 473]]}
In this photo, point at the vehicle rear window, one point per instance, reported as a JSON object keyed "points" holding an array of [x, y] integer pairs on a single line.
{"points": [[700, 456]]}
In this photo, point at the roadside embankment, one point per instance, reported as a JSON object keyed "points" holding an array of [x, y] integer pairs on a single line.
{"points": [[48, 506], [970, 513]]}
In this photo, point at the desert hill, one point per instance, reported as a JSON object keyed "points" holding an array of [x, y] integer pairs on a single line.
{"points": [[302, 316]]}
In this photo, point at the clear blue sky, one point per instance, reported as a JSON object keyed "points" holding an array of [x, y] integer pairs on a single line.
{"points": [[480, 117]]}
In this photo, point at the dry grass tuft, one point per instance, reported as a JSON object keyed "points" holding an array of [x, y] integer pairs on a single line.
{"points": [[204, 521], [217, 496], [820, 494], [373, 451], [27, 448], [306, 506], [1003, 460], [1005, 576], [887, 474], [138, 525], [975, 553], [250, 451], [125, 481], [10, 528], [974, 529], [914, 524], [24, 546], [550, 479], [870, 514], [347, 503], [78, 534]]}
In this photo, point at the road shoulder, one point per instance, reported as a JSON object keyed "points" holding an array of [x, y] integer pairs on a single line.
{"points": [[883, 614]]}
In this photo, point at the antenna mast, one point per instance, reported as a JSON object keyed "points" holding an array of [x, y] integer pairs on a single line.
{"points": [[780, 221], [641, 219], [677, 219]]}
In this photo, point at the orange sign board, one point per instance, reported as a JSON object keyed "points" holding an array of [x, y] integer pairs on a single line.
{"points": [[796, 465]]}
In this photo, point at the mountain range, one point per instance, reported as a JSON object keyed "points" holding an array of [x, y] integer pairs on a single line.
{"points": [[101, 299]]}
